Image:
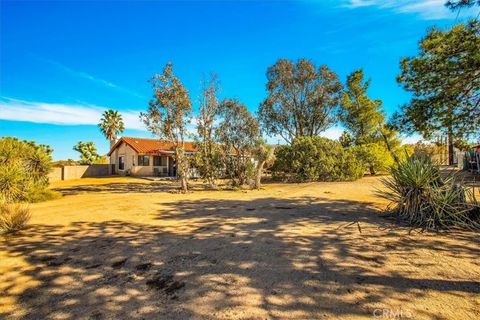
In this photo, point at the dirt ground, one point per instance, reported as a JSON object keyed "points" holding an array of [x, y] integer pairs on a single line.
{"points": [[121, 248]]}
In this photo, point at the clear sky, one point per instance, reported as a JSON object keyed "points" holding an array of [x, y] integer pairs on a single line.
{"points": [[63, 63]]}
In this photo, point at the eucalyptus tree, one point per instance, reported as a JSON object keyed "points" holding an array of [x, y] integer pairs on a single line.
{"points": [[301, 101], [168, 115], [238, 132], [208, 157]]}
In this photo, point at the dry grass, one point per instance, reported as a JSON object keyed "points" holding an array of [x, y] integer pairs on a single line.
{"points": [[128, 248], [13, 217]]}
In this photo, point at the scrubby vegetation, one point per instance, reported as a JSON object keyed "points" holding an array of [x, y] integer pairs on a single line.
{"points": [[423, 197], [374, 156], [316, 159], [88, 153], [24, 166], [13, 217]]}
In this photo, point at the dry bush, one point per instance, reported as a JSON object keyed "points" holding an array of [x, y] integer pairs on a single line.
{"points": [[13, 217]]}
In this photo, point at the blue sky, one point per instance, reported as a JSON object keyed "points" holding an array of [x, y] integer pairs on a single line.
{"points": [[63, 63]]}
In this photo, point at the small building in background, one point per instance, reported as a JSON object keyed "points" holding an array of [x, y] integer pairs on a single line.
{"points": [[146, 157]]}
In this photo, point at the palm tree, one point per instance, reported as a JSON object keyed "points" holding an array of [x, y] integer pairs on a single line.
{"points": [[111, 124], [459, 4]]}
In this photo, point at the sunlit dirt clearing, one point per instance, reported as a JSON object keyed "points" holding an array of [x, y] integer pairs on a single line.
{"points": [[117, 248]]}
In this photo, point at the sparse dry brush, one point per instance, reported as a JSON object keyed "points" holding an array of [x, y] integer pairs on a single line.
{"points": [[13, 217]]}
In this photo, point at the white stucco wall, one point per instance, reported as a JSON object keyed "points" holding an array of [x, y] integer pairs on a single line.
{"points": [[131, 162]]}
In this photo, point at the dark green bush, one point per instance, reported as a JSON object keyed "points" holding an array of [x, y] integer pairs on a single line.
{"points": [[316, 159]]}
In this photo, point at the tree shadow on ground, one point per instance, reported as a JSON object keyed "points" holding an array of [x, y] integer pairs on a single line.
{"points": [[268, 258], [130, 187]]}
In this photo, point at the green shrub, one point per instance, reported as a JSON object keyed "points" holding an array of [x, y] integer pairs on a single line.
{"points": [[13, 217], [24, 168], [315, 159], [420, 195], [374, 156]]}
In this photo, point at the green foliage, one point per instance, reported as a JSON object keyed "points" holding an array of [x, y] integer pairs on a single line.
{"points": [[168, 115], [301, 101], [375, 144], [316, 159], [13, 217], [374, 156], [88, 152], [111, 124], [211, 166], [361, 116], [24, 167], [445, 84], [420, 195], [209, 158], [237, 133], [345, 140]]}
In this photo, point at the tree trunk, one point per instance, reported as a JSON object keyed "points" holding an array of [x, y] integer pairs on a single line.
{"points": [[182, 169], [372, 170], [451, 150], [389, 147], [112, 143], [258, 176]]}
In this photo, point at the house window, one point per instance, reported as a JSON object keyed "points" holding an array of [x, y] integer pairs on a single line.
{"points": [[159, 161], [121, 163], [144, 161]]}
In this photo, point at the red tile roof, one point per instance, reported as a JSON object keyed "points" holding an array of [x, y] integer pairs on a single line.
{"points": [[151, 146]]}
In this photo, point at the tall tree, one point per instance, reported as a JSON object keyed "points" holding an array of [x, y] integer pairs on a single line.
{"points": [[167, 117], [88, 152], [111, 124], [445, 81], [207, 158], [301, 101], [375, 143], [238, 133], [361, 116]]}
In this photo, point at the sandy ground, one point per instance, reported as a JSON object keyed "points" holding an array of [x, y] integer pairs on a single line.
{"points": [[119, 248]]}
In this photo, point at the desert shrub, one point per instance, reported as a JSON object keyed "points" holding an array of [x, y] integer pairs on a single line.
{"points": [[41, 194], [210, 167], [24, 167], [374, 156], [423, 197], [315, 159], [13, 217]]}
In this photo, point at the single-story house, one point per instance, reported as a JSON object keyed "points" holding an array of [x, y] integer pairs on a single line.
{"points": [[145, 157]]}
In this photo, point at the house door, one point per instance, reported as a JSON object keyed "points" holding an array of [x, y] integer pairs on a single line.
{"points": [[172, 167]]}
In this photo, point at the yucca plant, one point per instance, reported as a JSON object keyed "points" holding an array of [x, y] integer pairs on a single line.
{"points": [[13, 217], [419, 194]]}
